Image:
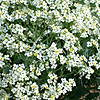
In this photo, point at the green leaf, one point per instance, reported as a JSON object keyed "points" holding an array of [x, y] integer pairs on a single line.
{"points": [[6, 70], [78, 91], [98, 80]]}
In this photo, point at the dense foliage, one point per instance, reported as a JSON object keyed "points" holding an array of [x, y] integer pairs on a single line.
{"points": [[49, 49]]}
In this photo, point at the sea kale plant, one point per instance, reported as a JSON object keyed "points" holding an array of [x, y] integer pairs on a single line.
{"points": [[49, 49]]}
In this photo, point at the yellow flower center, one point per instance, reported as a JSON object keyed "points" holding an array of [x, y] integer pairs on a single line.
{"points": [[35, 54], [38, 46], [22, 98], [94, 63], [32, 87], [66, 62], [56, 51], [1, 58], [70, 49]]}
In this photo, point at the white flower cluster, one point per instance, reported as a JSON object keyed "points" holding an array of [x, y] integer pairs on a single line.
{"points": [[54, 89], [44, 41]]}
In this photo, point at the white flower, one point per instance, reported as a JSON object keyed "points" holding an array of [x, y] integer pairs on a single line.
{"points": [[89, 44], [6, 57]]}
